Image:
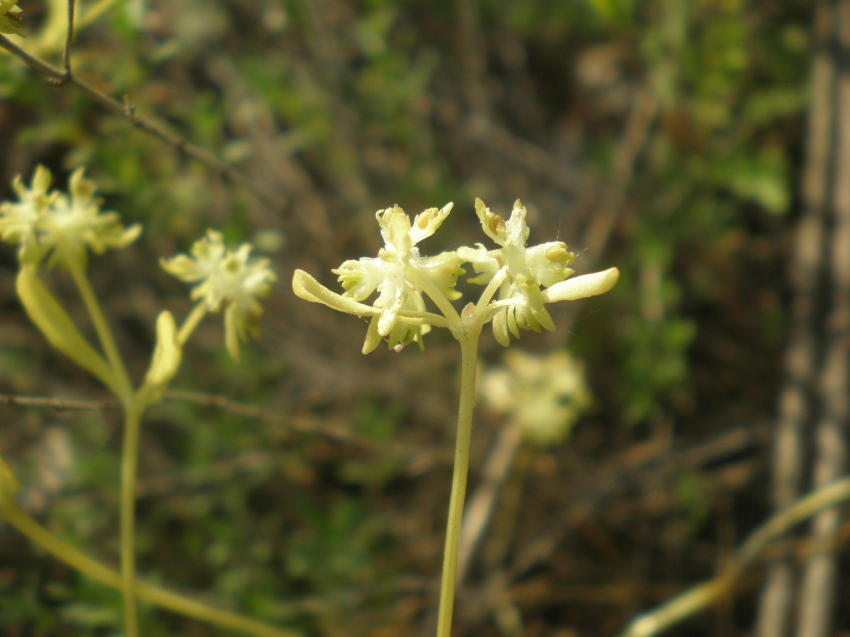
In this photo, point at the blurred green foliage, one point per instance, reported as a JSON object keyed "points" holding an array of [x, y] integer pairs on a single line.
{"points": [[342, 108]]}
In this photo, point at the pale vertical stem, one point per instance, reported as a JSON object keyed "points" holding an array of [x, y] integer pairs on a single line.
{"points": [[797, 401], [468, 368], [129, 466], [104, 334], [818, 600]]}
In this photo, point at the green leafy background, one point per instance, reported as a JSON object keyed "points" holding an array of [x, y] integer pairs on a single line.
{"points": [[682, 121]]}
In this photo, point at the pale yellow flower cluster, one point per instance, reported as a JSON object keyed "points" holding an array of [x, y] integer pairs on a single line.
{"points": [[526, 278], [388, 274], [226, 279], [542, 395], [66, 225]]}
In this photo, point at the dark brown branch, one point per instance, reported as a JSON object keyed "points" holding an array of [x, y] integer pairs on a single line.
{"points": [[127, 111]]}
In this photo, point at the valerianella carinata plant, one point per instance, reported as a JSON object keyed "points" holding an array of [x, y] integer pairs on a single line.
{"points": [[61, 229], [519, 281]]}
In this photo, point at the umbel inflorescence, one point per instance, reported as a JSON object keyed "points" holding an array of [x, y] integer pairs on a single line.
{"points": [[520, 280]]}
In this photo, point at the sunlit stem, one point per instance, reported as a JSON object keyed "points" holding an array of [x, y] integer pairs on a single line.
{"points": [[489, 291], [467, 334], [104, 334], [129, 468], [423, 318], [195, 317], [433, 293], [99, 573]]}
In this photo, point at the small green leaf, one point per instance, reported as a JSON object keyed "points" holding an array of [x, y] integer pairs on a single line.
{"points": [[50, 317]]}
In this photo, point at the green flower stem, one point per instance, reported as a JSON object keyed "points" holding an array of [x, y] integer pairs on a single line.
{"points": [[104, 334], [129, 467], [195, 317], [166, 599], [467, 333]]}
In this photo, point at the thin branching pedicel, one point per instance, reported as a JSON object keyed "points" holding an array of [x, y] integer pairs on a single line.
{"points": [[522, 279]]}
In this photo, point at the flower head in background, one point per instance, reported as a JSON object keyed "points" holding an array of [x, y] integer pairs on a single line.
{"points": [[74, 223], [67, 224], [10, 21], [520, 300], [226, 279], [542, 395], [19, 220]]}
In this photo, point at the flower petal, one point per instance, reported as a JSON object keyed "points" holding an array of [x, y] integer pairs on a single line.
{"points": [[583, 286], [493, 224], [427, 222], [307, 288], [516, 230], [500, 326]]}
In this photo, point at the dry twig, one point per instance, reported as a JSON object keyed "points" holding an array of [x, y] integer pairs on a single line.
{"points": [[127, 111]]}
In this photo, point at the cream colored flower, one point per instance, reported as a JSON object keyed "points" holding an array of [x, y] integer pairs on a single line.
{"points": [[74, 223], [19, 220], [527, 270], [401, 277], [227, 279], [390, 275], [43, 221], [542, 395], [10, 21]]}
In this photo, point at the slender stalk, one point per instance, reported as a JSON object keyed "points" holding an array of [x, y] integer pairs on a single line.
{"points": [[69, 39], [104, 334], [98, 572], [481, 308], [702, 595], [467, 335], [195, 316], [434, 293], [129, 466], [126, 110]]}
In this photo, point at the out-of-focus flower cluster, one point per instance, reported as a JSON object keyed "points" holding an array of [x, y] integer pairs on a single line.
{"points": [[226, 279], [10, 21], [526, 278], [66, 225], [542, 395]]}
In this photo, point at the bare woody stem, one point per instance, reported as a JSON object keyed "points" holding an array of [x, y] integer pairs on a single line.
{"points": [[69, 38], [127, 111]]}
